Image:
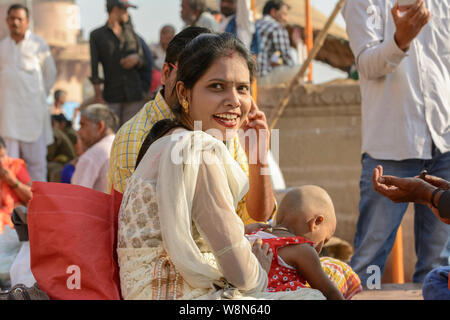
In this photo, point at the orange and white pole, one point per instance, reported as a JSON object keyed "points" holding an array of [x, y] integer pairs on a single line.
{"points": [[255, 83], [398, 267], [309, 37]]}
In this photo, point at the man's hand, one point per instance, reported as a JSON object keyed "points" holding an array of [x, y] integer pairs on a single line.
{"points": [[130, 61], [258, 123], [99, 99], [437, 182], [409, 23], [402, 189]]}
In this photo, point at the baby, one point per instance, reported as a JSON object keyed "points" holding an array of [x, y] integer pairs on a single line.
{"points": [[304, 223]]}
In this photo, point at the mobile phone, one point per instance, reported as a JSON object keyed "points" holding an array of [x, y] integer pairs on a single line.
{"points": [[402, 3]]}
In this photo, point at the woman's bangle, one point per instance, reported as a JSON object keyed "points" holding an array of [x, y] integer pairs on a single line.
{"points": [[433, 195], [16, 185]]}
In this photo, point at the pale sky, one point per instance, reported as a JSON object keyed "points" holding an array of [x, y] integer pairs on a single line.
{"points": [[151, 15]]}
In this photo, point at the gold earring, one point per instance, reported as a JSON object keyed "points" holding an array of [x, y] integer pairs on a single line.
{"points": [[185, 106]]}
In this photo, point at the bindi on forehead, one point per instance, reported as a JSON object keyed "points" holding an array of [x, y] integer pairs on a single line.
{"points": [[230, 54]]}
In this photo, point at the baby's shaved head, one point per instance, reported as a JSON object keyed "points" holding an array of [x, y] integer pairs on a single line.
{"points": [[306, 202]]}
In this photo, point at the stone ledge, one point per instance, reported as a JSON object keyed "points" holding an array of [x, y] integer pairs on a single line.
{"points": [[339, 97]]}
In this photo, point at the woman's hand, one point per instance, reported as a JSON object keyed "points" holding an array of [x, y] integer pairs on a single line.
{"points": [[5, 221], [7, 176], [251, 228], [263, 253], [402, 189], [256, 122]]}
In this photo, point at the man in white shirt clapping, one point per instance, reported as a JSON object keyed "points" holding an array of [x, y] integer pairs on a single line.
{"points": [[402, 55], [27, 74]]}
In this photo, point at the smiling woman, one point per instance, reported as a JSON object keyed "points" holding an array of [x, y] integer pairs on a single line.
{"points": [[217, 90], [214, 76], [179, 235]]}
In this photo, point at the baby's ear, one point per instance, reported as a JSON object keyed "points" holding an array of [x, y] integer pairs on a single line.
{"points": [[319, 220]]}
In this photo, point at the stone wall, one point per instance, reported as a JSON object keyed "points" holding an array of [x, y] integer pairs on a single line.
{"points": [[320, 144]]}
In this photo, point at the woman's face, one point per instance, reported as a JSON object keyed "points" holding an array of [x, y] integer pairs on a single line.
{"points": [[221, 98]]}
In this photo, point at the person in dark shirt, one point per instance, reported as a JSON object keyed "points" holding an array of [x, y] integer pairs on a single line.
{"points": [[433, 192], [119, 50]]}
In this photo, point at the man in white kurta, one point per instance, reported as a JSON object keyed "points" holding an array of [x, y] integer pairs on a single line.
{"points": [[27, 74]]}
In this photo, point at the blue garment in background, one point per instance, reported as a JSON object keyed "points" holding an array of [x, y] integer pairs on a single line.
{"points": [[436, 285], [256, 46], [67, 173], [146, 73]]}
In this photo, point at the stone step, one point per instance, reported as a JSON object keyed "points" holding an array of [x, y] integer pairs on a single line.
{"points": [[407, 291]]}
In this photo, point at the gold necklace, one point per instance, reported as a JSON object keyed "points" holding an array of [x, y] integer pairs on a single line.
{"points": [[271, 229]]}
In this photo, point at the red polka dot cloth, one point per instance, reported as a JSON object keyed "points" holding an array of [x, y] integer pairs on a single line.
{"points": [[282, 278]]}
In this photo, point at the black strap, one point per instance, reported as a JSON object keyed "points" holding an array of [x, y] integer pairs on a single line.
{"points": [[435, 192]]}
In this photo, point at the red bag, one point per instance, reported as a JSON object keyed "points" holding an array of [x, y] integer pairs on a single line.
{"points": [[73, 237]]}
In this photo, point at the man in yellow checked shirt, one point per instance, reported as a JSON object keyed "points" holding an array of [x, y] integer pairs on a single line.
{"points": [[258, 205]]}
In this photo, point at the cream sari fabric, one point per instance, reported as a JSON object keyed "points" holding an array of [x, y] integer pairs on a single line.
{"points": [[179, 235]]}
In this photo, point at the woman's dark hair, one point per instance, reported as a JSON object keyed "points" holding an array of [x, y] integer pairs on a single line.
{"points": [[2, 143], [193, 63]]}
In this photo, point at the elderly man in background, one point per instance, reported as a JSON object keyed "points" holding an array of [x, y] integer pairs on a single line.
{"points": [[27, 74], [158, 50], [97, 132], [275, 64], [402, 55], [194, 13]]}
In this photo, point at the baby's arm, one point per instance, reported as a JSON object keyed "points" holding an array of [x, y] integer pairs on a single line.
{"points": [[250, 228], [306, 260]]}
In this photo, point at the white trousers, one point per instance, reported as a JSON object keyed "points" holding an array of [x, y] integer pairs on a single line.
{"points": [[34, 154]]}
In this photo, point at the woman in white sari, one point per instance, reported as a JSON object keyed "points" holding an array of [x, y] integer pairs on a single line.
{"points": [[179, 235]]}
